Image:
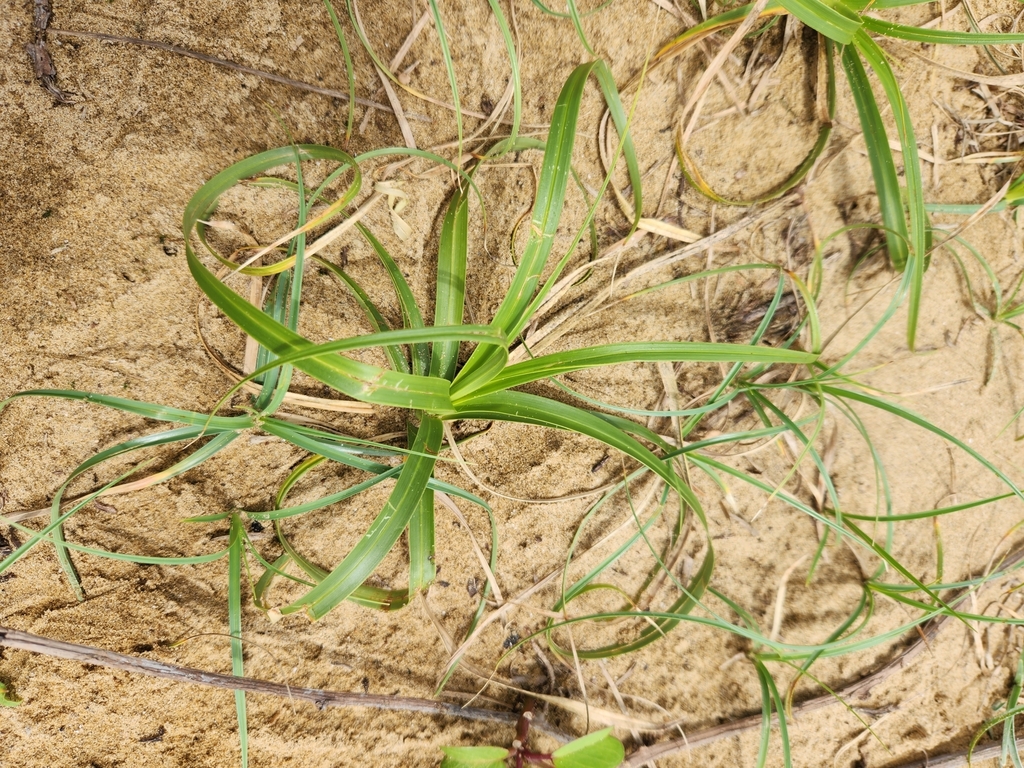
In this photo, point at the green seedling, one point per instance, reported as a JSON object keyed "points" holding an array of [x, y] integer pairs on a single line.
{"points": [[595, 750]]}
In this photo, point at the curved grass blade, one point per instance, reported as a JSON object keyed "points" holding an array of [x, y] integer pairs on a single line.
{"points": [[358, 380], [913, 418], [939, 36], [235, 551], [883, 168], [834, 20], [204, 201], [382, 534], [577, 22], [694, 177], [411, 317], [513, 59], [514, 311], [349, 70], [220, 441], [376, 319], [630, 352], [875, 57], [308, 353], [146, 410], [449, 66]]}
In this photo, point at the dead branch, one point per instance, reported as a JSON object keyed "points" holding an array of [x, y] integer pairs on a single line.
{"points": [[321, 699]]}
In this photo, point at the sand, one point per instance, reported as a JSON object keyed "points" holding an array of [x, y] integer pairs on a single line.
{"points": [[97, 296]]}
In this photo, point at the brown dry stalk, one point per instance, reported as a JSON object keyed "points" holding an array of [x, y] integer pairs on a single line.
{"points": [[959, 759], [25, 641]]}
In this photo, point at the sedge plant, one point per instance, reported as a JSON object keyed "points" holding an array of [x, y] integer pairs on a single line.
{"points": [[428, 376], [447, 370]]}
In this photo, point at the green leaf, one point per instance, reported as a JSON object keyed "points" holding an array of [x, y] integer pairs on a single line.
{"points": [[1016, 191], [883, 167], [595, 750], [235, 628], [876, 59], [940, 36], [358, 380], [644, 351], [834, 21], [382, 534], [515, 310], [450, 297], [474, 757]]}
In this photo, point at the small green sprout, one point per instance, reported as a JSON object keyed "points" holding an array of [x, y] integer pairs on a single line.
{"points": [[5, 701], [595, 750]]}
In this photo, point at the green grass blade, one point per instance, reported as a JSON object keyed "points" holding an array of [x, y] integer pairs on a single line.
{"points": [[325, 501], [382, 534], [45, 534], [358, 380], [146, 410], [875, 57], [196, 458], [308, 353], [834, 20], [349, 70], [630, 352], [514, 311], [513, 59], [883, 168], [421, 545], [377, 321], [913, 418], [450, 299], [421, 538], [449, 66], [940, 36], [235, 629], [411, 317], [766, 714], [577, 22], [1010, 751], [547, 211]]}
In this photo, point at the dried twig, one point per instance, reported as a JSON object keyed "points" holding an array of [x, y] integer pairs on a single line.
{"points": [[959, 759], [42, 64], [322, 699]]}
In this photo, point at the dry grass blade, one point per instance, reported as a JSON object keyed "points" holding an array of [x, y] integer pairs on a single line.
{"points": [[1003, 81], [446, 500], [324, 240], [701, 89], [780, 598], [396, 107]]}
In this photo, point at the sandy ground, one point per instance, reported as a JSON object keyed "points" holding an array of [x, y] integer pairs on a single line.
{"points": [[96, 296]]}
